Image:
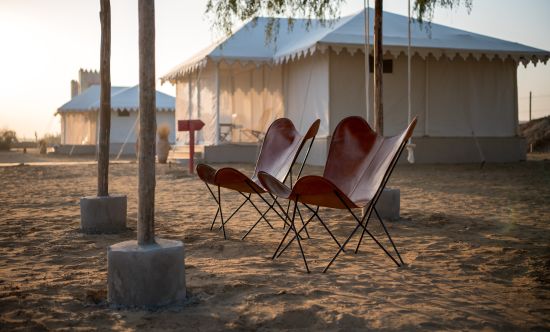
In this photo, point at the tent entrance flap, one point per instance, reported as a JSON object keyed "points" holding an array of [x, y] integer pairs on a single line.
{"points": [[236, 102]]}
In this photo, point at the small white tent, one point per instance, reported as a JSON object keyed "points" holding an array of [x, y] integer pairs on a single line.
{"points": [[464, 85], [80, 118]]}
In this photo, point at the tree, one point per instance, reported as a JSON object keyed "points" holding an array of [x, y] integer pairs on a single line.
{"points": [[147, 123], [105, 101], [7, 137], [228, 12], [424, 9]]}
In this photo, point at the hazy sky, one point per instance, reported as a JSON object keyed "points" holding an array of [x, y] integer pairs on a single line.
{"points": [[44, 43]]}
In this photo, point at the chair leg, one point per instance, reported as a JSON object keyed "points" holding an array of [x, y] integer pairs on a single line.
{"points": [[307, 222], [280, 244], [287, 209], [270, 207], [365, 230], [215, 217], [266, 202], [292, 239], [316, 214], [237, 209], [217, 202], [363, 233], [303, 225], [221, 213], [260, 212], [389, 237], [293, 226]]}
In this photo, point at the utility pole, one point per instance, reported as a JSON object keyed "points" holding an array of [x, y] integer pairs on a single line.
{"points": [[530, 98], [378, 69], [530, 118]]}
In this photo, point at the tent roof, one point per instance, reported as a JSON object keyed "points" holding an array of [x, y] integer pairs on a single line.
{"points": [[122, 98], [248, 44]]}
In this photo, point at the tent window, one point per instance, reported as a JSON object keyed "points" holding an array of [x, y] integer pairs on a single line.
{"points": [[123, 113], [387, 66]]}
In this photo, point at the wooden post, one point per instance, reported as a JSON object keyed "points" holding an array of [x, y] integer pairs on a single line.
{"points": [[530, 118], [147, 121], [378, 69], [530, 97], [105, 101]]}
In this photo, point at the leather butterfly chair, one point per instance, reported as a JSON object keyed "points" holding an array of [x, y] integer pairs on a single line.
{"points": [[280, 149], [359, 165]]}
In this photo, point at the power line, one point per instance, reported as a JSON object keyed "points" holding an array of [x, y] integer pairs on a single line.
{"points": [[537, 96]]}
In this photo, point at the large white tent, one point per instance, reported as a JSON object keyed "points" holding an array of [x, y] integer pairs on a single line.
{"points": [[80, 118], [464, 85]]}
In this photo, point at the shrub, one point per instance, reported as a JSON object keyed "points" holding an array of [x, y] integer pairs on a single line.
{"points": [[7, 137], [163, 132]]}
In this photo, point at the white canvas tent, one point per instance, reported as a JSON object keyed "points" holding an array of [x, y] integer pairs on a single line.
{"points": [[464, 85], [80, 118]]}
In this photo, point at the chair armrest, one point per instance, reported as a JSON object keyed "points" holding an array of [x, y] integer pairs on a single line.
{"points": [[273, 185], [206, 173]]}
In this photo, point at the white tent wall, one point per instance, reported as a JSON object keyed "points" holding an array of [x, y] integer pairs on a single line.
{"points": [[182, 109], [79, 128], [395, 95], [306, 87], [204, 102], [121, 127], [347, 86], [306, 98], [471, 98], [347, 91], [79, 131], [250, 99], [125, 128], [467, 109]]}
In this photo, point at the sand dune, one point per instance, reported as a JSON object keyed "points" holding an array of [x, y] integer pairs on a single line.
{"points": [[476, 244]]}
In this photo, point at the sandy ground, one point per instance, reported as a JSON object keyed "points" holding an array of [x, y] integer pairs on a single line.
{"points": [[476, 243]]}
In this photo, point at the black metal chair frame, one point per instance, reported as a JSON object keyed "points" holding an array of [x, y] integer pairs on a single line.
{"points": [[271, 205], [371, 207]]}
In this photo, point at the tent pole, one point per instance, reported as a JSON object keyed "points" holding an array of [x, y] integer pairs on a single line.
{"points": [[198, 136], [426, 98], [217, 138], [366, 7], [410, 145]]}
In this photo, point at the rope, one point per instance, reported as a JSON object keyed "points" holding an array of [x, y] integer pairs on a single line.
{"points": [[366, 11], [410, 145], [128, 137]]}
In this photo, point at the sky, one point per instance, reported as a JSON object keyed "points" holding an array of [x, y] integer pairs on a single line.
{"points": [[45, 43]]}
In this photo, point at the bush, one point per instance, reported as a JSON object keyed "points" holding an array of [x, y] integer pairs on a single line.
{"points": [[52, 139], [7, 137], [163, 132]]}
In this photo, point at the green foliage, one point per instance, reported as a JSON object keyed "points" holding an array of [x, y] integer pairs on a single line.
{"points": [[7, 137], [424, 9], [224, 14]]}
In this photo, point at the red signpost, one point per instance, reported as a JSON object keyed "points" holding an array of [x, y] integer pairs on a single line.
{"points": [[190, 126]]}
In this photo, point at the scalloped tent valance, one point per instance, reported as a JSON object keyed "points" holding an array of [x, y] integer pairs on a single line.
{"points": [[122, 99], [248, 44]]}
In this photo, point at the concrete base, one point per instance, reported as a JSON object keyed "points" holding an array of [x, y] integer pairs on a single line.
{"points": [[146, 276], [389, 203], [103, 214]]}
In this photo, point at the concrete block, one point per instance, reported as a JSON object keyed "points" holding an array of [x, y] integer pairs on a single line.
{"points": [[103, 214], [146, 276], [389, 203]]}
